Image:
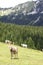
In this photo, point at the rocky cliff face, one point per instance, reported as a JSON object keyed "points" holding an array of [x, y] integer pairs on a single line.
{"points": [[38, 7], [29, 13]]}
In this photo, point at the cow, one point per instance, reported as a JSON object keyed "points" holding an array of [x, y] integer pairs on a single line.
{"points": [[13, 50], [24, 45]]}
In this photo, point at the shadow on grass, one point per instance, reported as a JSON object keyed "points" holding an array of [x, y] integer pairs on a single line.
{"points": [[14, 58]]}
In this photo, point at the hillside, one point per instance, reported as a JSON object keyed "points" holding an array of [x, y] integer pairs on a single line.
{"points": [[25, 56]]}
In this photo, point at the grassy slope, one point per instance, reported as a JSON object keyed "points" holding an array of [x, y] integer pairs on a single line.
{"points": [[25, 56]]}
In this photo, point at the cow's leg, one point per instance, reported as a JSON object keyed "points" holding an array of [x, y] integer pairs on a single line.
{"points": [[11, 55], [16, 55]]}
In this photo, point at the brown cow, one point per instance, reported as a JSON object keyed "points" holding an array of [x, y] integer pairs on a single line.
{"points": [[13, 50]]}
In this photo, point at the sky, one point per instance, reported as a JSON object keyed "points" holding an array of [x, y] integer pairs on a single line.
{"points": [[11, 3]]}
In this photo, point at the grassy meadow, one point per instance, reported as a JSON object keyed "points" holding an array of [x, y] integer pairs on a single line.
{"points": [[26, 56]]}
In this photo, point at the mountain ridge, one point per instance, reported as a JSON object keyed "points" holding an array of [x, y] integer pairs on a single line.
{"points": [[24, 14]]}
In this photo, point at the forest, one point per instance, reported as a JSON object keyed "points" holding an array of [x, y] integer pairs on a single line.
{"points": [[30, 35]]}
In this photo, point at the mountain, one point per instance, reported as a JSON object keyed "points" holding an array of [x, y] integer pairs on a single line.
{"points": [[21, 8], [28, 13]]}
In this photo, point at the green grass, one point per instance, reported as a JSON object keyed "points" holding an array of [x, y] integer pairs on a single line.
{"points": [[25, 56]]}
